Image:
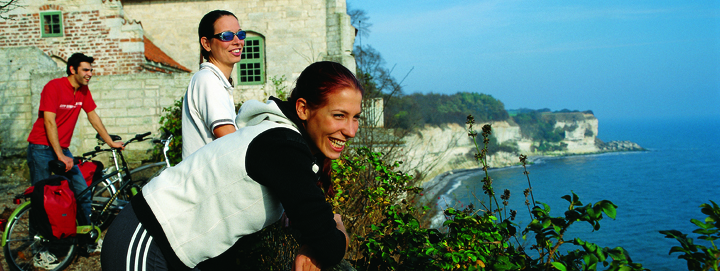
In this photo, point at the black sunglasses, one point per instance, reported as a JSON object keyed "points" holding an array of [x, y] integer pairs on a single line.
{"points": [[229, 35]]}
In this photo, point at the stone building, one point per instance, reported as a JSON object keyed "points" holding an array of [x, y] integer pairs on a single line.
{"points": [[132, 36], [98, 29], [146, 50]]}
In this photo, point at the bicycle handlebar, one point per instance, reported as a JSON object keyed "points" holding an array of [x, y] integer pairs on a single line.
{"points": [[91, 153], [138, 137], [143, 135]]}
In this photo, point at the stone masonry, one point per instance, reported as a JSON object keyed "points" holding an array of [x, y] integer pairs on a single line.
{"points": [[94, 27]]}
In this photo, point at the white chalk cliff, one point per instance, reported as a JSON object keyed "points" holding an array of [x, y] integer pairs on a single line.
{"points": [[434, 150]]}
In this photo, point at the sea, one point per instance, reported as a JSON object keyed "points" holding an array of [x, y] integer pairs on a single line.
{"points": [[661, 188]]}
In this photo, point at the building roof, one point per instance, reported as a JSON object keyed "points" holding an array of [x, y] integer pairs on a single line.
{"points": [[158, 61]]}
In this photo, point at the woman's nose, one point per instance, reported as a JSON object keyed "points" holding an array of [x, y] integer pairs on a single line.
{"points": [[350, 128]]}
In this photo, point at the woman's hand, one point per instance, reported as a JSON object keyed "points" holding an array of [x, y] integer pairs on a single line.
{"points": [[340, 226], [305, 262]]}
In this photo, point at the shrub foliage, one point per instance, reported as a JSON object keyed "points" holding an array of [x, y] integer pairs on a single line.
{"points": [[486, 238], [699, 257]]}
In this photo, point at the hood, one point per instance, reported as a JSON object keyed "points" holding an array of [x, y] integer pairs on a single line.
{"points": [[253, 112]]}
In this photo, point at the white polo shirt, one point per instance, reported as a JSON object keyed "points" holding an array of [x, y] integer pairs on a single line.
{"points": [[208, 104]]}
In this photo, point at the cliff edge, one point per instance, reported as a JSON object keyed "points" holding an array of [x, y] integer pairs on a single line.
{"points": [[433, 150]]}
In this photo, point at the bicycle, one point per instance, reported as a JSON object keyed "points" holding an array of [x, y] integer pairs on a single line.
{"points": [[21, 243], [117, 183], [145, 173]]}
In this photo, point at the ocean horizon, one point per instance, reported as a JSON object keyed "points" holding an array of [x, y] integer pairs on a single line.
{"points": [[657, 189]]}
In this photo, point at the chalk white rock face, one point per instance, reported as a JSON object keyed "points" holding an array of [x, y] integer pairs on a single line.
{"points": [[433, 150]]}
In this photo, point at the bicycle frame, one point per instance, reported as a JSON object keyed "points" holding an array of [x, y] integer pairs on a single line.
{"points": [[125, 179]]}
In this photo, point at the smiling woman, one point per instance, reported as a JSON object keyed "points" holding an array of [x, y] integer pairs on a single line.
{"points": [[277, 162], [208, 107]]}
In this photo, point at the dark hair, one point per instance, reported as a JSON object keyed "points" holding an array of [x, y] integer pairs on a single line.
{"points": [[320, 79], [315, 84], [75, 60], [207, 28]]}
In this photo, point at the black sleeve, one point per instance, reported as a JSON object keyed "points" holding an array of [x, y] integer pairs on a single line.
{"points": [[280, 160]]}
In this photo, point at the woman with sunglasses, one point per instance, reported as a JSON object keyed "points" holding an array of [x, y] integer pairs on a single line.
{"points": [[192, 214], [208, 107]]}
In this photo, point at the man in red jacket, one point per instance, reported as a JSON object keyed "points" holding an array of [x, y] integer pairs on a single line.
{"points": [[60, 104]]}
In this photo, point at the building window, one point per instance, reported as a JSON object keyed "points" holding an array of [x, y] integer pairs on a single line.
{"points": [[51, 23], [251, 69]]}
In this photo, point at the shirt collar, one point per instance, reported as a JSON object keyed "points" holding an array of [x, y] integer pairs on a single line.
{"points": [[218, 73]]}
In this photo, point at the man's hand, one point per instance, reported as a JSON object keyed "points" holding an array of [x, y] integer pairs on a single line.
{"points": [[305, 262], [116, 145], [68, 161]]}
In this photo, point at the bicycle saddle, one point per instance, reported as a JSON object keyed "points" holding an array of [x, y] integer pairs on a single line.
{"points": [[56, 166]]}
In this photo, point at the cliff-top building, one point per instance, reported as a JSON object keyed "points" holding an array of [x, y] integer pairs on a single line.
{"points": [[135, 36]]}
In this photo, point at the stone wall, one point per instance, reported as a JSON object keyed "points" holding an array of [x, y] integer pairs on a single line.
{"points": [[94, 27], [130, 104], [19, 70]]}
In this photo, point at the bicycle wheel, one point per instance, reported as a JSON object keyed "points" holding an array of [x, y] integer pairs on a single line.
{"points": [[102, 192], [23, 244], [142, 175]]}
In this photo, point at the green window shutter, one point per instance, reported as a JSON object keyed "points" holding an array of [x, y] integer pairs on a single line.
{"points": [[51, 24], [251, 69]]}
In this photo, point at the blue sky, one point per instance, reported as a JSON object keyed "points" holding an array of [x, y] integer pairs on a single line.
{"points": [[620, 59]]}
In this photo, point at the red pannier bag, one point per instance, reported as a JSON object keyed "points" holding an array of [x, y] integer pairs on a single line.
{"points": [[91, 170], [54, 210]]}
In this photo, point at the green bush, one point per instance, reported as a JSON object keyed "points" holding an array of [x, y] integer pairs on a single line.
{"points": [[539, 126], [699, 257], [171, 123], [494, 147], [416, 110], [366, 186]]}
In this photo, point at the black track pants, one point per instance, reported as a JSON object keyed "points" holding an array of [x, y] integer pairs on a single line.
{"points": [[128, 246]]}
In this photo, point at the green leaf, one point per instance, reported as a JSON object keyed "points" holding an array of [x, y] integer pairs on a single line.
{"points": [[701, 224], [576, 199], [546, 223], [559, 266], [609, 208]]}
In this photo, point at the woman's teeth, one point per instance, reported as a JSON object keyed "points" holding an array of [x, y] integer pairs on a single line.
{"points": [[337, 143]]}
